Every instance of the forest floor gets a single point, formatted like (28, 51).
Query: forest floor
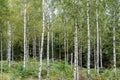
(58, 71)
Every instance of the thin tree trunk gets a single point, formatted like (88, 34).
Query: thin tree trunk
(25, 38)
(75, 44)
(48, 39)
(88, 28)
(9, 45)
(97, 37)
(52, 48)
(101, 65)
(42, 40)
(114, 50)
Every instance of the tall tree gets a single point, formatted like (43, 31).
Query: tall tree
(101, 63)
(25, 37)
(42, 39)
(48, 37)
(88, 29)
(97, 27)
(114, 48)
(9, 45)
(75, 43)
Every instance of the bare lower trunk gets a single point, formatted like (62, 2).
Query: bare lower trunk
(9, 45)
(75, 45)
(48, 38)
(101, 65)
(52, 49)
(25, 37)
(97, 37)
(42, 40)
(88, 28)
(114, 50)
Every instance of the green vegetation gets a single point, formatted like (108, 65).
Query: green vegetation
(58, 71)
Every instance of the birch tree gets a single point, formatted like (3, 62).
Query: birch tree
(48, 37)
(114, 50)
(25, 37)
(97, 27)
(9, 45)
(42, 39)
(75, 44)
(88, 29)
(101, 64)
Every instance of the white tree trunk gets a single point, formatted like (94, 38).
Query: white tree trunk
(114, 50)
(25, 37)
(42, 40)
(97, 25)
(88, 28)
(9, 45)
(48, 39)
(75, 44)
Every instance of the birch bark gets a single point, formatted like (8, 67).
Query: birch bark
(42, 40)
(88, 28)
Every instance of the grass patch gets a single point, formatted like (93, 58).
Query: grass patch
(58, 71)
